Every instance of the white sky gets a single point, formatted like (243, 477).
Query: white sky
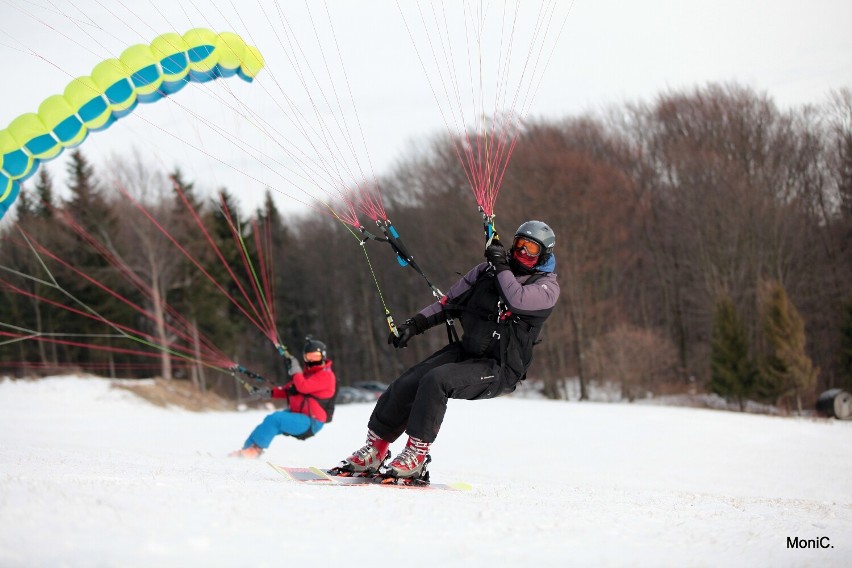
(608, 52)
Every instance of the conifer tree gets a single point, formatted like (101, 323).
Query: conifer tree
(34, 218)
(279, 240)
(16, 311)
(87, 204)
(187, 188)
(846, 345)
(44, 203)
(196, 298)
(283, 261)
(732, 371)
(787, 369)
(24, 207)
(224, 321)
(89, 209)
(844, 173)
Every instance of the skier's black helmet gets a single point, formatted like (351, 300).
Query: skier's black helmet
(538, 232)
(314, 352)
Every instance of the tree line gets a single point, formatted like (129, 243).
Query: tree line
(704, 242)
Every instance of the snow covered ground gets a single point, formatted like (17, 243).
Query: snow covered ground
(94, 476)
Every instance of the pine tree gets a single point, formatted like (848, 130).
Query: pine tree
(87, 204)
(24, 207)
(16, 310)
(44, 205)
(846, 345)
(182, 186)
(732, 372)
(88, 208)
(844, 186)
(217, 317)
(278, 254)
(196, 298)
(34, 223)
(787, 369)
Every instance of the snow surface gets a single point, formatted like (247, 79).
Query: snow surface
(94, 476)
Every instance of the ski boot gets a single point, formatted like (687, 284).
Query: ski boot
(366, 461)
(409, 467)
(251, 453)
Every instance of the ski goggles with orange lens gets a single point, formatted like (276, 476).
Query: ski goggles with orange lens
(532, 247)
(313, 356)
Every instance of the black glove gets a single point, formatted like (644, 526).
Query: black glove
(291, 390)
(410, 328)
(260, 393)
(406, 332)
(497, 256)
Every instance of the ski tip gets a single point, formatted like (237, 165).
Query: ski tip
(321, 473)
(460, 486)
(278, 468)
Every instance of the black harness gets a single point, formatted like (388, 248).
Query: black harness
(492, 330)
(326, 404)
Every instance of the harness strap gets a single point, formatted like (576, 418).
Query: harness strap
(324, 404)
(452, 333)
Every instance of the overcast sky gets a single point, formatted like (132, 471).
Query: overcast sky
(376, 88)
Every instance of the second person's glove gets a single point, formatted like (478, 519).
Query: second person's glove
(407, 330)
(293, 366)
(260, 393)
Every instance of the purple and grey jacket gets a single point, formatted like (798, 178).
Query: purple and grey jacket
(520, 299)
(501, 313)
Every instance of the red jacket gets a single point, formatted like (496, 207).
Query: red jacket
(317, 381)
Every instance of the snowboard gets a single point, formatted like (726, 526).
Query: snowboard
(317, 476)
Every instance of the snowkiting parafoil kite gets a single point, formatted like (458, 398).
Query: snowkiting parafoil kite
(142, 74)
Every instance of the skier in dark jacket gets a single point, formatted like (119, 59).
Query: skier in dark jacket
(310, 398)
(502, 305)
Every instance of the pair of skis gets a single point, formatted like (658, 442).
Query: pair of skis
(316, 476)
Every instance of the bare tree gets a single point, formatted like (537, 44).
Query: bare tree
(561, 175)
(722, 184)
(144, 248)
(638, 360)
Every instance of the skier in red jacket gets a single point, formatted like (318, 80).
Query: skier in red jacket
(310, 400)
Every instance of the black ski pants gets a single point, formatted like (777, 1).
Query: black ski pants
(417, 401)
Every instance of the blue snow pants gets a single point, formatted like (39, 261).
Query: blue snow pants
(282, 422)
